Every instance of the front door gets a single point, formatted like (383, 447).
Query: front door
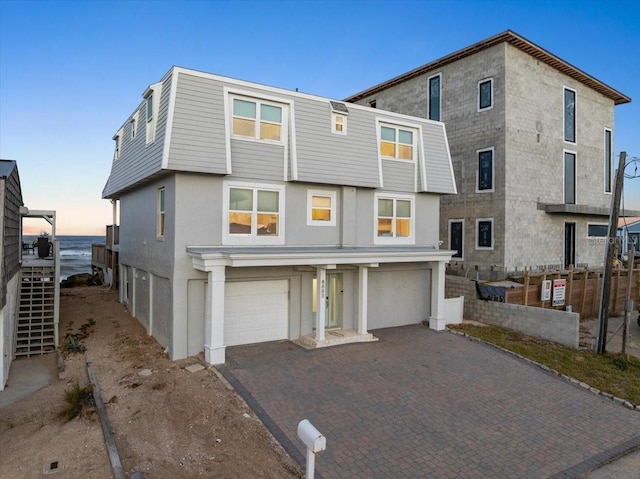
(333, 301)
(569, 244)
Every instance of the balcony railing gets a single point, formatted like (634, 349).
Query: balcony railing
(113, 235)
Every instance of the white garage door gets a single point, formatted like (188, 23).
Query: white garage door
(256, 311)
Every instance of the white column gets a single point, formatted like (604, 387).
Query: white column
(321, 312)
(437, 320)
(214, 317)
(363, 293)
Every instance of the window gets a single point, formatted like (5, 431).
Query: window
(597, 230)
(254, 214)
(456, 237)
(134, 126)
(485, 94)
(485, 170)
(394, 219)
(373, 104)
(569, 178)
(484, 233)
(118, 139)
(161, 212)
(339, 112)
(608, 161)
(569, 115)
(396, 143)
(152, 100)
(321, 208)
(434, 98)
(257, 119)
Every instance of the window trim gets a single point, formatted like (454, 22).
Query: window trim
(133, 124)
(118, 137)
(493, 170)
(439, 97)
(608, 184)
(450, 222)
(415, 134)
(394, 239)
(575, 115)
(324, 193)
(161, 213)
(480, 83)
(575, 177)
(152, 93)
(334, 123)
(493, 235)
(251, 239)
(259, 100)
(598, 224)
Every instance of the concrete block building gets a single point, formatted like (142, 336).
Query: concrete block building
(531, 140)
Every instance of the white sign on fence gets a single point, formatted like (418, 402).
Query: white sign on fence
(559, 289)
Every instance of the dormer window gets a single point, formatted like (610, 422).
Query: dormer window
(118, 147)
(339, 112)
(396, 143)
(134, 126)
(152, 100)
(257, 119)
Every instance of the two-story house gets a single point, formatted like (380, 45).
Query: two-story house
(250, 213)
(531, 140)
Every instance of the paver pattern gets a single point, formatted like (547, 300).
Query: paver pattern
(420, 403)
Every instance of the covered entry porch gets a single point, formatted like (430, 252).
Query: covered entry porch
(325, 263)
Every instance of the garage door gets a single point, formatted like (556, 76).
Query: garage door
(256, 311)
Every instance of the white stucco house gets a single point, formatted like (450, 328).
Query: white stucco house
(246, 212)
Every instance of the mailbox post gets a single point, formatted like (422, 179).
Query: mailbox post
(314, 441)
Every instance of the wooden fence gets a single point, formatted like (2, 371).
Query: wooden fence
(583, 289)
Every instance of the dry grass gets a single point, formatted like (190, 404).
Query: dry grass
(611, 373)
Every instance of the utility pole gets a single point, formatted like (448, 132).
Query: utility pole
(605, 294)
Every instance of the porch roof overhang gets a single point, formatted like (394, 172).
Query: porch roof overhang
(582, 210)
(204, 258)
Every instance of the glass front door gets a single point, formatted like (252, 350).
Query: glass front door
(333, 301)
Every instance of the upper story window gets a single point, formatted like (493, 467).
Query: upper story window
(569, 115)
(152, 102)
(161, 212)
(321, 208)
(133, 124)
(339, 112)
(397, 143)
(254, 214)
(456, 238)
(485, 94)
(373, 104)
(569, 178)
(118, 139)
(485, 171)
(394, 219)
(484, 233)
(257, 119)
(434, 98)
(608, 160)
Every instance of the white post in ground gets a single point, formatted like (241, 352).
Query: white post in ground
(314, 441)
(214, 317)
(437, 320)
(321, 276)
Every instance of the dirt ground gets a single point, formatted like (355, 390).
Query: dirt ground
(168, 424)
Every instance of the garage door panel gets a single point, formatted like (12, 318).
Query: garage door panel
(256, 311)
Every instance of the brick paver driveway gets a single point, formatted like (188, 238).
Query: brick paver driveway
(420, 403)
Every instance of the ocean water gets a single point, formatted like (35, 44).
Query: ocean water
(75, 253)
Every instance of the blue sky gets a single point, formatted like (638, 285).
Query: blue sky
(72, 71)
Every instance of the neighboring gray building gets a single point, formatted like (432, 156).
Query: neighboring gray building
(531, 140)
(246, 211)
(10, 229)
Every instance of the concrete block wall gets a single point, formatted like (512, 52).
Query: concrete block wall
(559, 326)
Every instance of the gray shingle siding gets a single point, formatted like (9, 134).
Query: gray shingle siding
(11, 199)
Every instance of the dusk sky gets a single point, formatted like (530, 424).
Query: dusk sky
(72, 71)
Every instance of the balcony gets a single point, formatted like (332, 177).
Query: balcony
(104, 257)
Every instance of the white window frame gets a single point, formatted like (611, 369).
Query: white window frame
(161, 216)
(493, 234)
(493, 170)
(415, 133)
(394, 239)
(332, 210)
(610, 161)
(597, 224)
(118, 137)
(259, 101)
(575, 177)
(450, 222)
(439, 96)
(575, 116)
(152, 95)
(252, 239)
(485, 80)
(134, 126)
(334, 123)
